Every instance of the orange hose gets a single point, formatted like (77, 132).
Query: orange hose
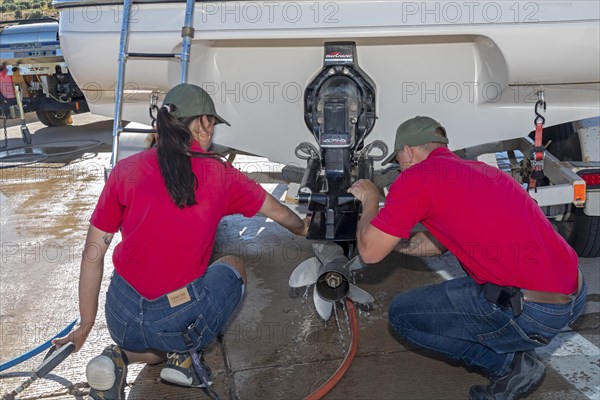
(341, 371)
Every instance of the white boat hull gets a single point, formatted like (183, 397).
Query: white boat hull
(474, 68)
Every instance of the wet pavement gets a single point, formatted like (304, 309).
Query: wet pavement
(276, 347)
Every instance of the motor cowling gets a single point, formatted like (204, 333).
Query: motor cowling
(339, 105)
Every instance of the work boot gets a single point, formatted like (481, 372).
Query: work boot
(180, 370)
(107, 374)
(526, 372)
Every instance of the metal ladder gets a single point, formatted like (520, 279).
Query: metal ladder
(187, 33)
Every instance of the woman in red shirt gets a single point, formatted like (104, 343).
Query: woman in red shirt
(164, 298)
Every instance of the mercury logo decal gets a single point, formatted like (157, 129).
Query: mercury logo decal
(339, 55)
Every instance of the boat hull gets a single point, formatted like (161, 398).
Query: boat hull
(475, 71)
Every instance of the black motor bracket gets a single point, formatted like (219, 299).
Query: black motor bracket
(339, 110)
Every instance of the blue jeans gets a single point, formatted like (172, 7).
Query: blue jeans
(453, 318)
(138, 324)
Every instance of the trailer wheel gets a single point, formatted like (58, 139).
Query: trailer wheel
(54, 118)
(581, 231)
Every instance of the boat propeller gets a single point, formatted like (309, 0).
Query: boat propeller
(330, 272)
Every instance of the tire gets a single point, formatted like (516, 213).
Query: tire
(581, 231)
(54, 118)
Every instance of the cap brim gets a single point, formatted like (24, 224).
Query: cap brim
(221, 120)
(391, 158)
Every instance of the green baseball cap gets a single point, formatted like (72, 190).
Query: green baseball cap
(414, 132)
(190, 101)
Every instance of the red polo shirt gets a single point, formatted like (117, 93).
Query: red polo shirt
(485, 218)
(164, 247)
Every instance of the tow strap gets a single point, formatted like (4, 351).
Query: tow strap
(538, 151)
(198, 368)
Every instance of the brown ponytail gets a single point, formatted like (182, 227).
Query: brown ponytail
(173, 149)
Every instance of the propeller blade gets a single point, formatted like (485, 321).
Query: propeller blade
(355, 264)
(324, 307)
(327, 251)
(360, 296)
(306, 273)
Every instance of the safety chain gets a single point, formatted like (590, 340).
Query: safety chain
(153, 108)
(538, 151)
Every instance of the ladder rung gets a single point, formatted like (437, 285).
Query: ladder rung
(153, 55)
(187, 33)
(138, 130)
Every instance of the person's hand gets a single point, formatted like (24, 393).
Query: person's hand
(306, 221)
(303, 230)
(78, 336)
(363, 190)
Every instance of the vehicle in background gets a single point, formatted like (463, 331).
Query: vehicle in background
(34, 76)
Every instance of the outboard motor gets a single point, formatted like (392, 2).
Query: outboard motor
(339, 110)
(339, 106)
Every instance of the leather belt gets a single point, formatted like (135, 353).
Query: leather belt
(535, 296)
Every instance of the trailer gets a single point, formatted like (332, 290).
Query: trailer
(34, 76)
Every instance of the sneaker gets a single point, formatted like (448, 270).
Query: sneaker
(527, 371)
(106, 374)
(180, 370)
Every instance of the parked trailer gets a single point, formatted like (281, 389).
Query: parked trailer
(34, 73)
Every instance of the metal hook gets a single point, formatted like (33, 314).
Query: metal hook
(539, 118)
(153, 109)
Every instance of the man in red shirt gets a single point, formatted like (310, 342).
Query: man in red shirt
(523, 284)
